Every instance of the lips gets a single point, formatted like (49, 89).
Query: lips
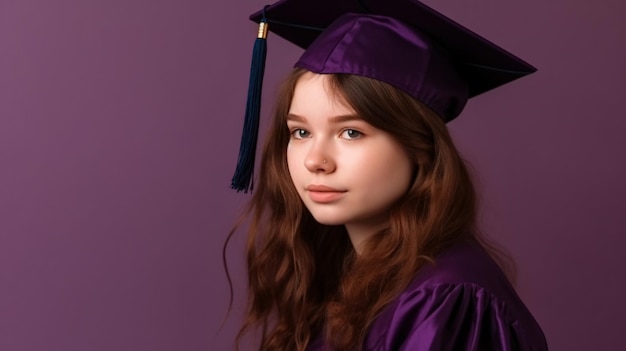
(323, 193)
(322, 188)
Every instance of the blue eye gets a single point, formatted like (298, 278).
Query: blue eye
(351, 134)
(300, 133)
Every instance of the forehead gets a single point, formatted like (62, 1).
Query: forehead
(316, 94)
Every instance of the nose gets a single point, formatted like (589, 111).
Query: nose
(319, 158)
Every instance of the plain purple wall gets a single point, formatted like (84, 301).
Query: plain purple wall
(119, 128)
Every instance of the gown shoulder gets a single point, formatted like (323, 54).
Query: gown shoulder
(463, 301)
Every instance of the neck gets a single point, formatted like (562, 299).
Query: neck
(359, 233)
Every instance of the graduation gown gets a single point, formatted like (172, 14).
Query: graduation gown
(462, 302)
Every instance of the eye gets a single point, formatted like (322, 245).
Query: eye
(300, 133)
(351, 134)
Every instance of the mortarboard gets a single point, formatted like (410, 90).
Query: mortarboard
(401, 42)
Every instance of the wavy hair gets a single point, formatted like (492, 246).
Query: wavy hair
(304, 278)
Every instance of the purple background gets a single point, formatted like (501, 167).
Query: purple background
(119, 128)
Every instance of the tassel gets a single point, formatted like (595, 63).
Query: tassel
(242, 179)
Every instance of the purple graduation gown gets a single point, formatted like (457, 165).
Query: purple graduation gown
(463, 302)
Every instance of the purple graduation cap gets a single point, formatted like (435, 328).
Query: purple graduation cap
(401, 42)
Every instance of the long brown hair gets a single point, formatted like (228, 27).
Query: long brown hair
(304, 278)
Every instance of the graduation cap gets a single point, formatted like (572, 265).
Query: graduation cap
(401, 42)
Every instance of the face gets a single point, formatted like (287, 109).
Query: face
(345, 170)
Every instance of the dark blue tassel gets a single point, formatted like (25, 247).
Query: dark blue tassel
(242, 179)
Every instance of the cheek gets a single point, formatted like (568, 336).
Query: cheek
(391, 171)
(397, 175)
(386, 163)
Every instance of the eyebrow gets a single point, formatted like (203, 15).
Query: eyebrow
(334, 119)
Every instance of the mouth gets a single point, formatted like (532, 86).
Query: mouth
(324, 194)
(322, 189)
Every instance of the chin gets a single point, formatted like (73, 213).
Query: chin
(327, 220)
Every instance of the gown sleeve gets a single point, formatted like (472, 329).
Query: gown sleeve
(460, 317)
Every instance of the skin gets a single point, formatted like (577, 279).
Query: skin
(346, 171)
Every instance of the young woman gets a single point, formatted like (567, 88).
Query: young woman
(362, 232)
